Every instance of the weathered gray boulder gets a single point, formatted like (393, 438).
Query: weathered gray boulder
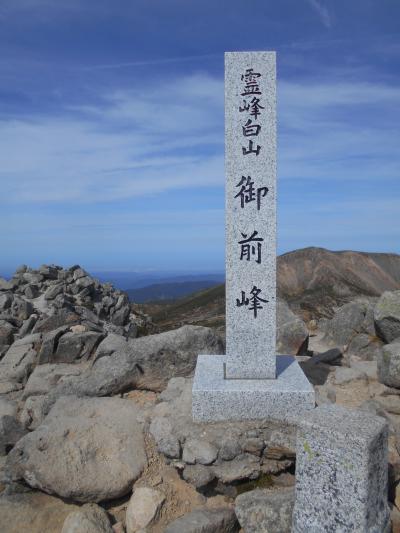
(33, 412)
(350, 320)
(33, 512)
(143, 508)
(389, 365)
(50, 343)
(27, 325)
(261, 511)
(21, 308)
(19, 359)
(7, 407)
(31, 291)
(292, 333)
(120, 316)
(49, 271)
(219, 520)
(31, 276)
(198, 475)
(365, 346)
(110, 344)
(245, 466)
(167, 443)
(74, 347)
(45, 377)
(49, 323)
(90, 518)
(10, 433)
(53, 291)
(7, 331)
(87, 450)
(5, 300)
(387, 316)
(199, 451)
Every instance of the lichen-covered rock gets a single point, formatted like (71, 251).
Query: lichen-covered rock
(387, 316)
(264, 510)
(87, 450)
(389, 365)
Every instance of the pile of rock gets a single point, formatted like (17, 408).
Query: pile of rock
(42, 300)
(364, 326)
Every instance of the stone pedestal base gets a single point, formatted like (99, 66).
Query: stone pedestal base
(216, 398)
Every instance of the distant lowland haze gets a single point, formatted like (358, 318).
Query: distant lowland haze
(112, 131)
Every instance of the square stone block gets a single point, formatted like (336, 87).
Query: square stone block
(341, 472)
(283, 399)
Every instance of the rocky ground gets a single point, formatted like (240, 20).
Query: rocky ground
(96, 433)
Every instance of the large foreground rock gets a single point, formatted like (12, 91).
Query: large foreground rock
(33, 512)
(144, 363)
(387, 316)
(292, 333)
(261, 511)
(87, 450)
(222, 520)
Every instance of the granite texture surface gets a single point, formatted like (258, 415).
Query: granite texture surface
(341, 472)
(250, 167)
(215, 398)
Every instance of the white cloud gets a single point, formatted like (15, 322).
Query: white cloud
(144, 141)
(322, 12)
(158, 138)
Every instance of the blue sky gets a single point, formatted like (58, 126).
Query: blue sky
(112, 140)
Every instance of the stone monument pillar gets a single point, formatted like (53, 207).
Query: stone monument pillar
(250, 381)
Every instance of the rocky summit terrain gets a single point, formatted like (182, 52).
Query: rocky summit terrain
(96, 431)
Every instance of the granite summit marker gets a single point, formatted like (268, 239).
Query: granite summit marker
(250, 381)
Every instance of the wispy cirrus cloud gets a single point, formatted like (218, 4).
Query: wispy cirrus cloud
(170, 137)
(322, 12)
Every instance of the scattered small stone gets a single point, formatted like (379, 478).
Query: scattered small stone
(143, 508)
(198, 475)
(220, 520)
(263, 510)
(90, 518)
(199, 451)
(389, 365)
